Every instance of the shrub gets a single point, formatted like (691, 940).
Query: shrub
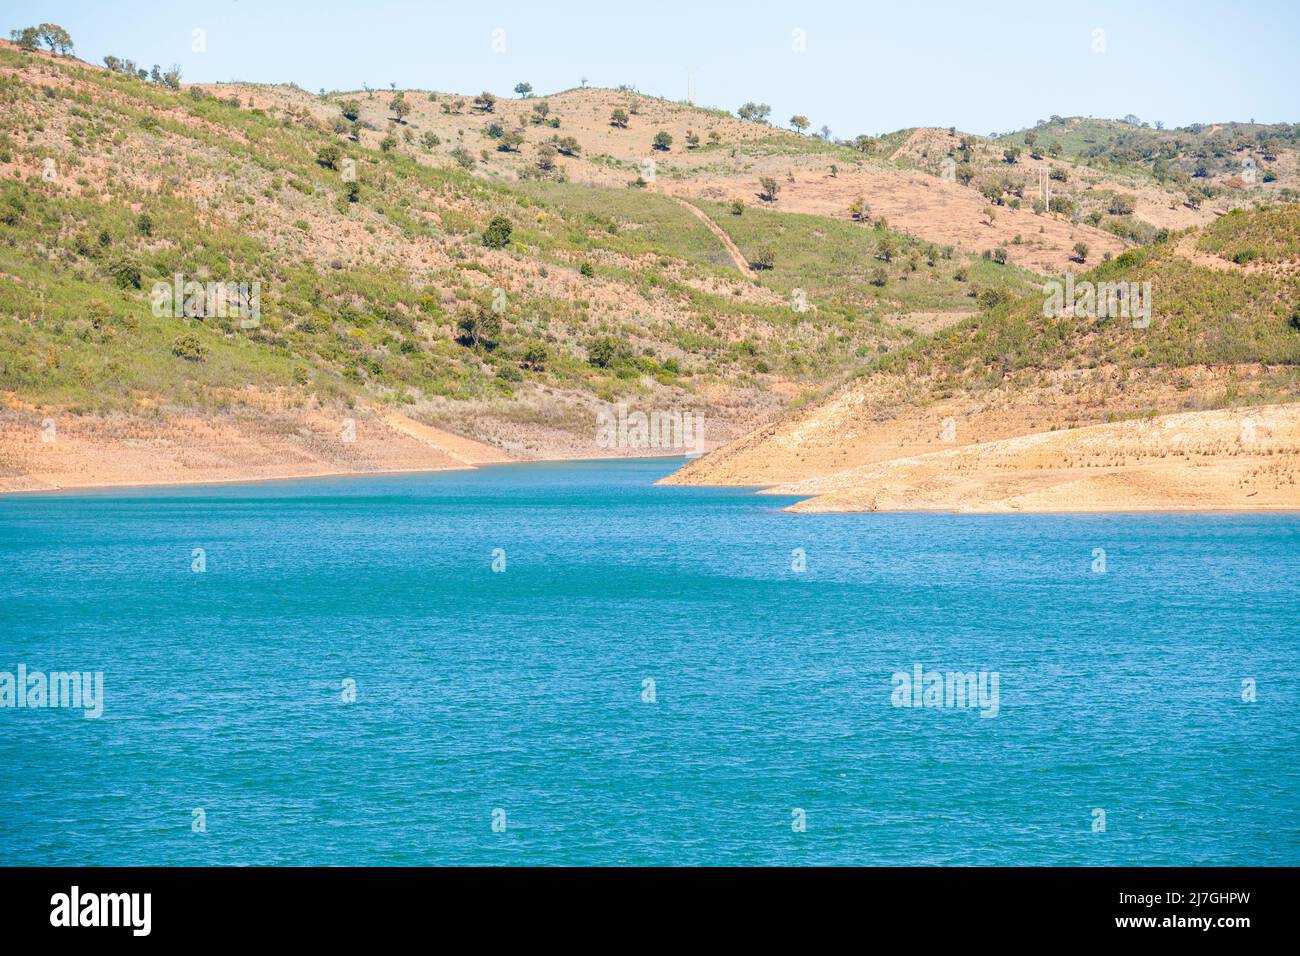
(188, 347)
(602, 352)
(764, 258)
(497, 234)
(126, 273)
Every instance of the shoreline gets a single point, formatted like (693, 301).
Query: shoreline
(308, 476)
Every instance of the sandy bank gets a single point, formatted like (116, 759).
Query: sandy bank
(1240, 459)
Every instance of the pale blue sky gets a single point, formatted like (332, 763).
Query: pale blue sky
(867, 66)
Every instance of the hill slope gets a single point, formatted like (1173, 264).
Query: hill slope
(379, 284)
(1221, 335)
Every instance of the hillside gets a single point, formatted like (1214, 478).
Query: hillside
(383, 290)
(1222, 335)
(455, 268)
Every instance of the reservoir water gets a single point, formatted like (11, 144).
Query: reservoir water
(567, 664)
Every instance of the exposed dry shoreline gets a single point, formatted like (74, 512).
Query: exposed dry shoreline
(1222, 460)
(44, 450)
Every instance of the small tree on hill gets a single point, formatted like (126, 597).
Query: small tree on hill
(51, 34)
(663, 142)
(618, 118)
(524, 89)
(485, 102)
(770, 187)
(800, 122)
(329, 156)
(28, 38)
(480, 328)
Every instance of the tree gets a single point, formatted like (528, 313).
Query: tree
(737, 207)
(800, 122)
(485, 102)
(859, 211)
(524, 89)
(535, 356)
(770, 188)
(351, 110)
(28, 38)
(480, 328)
(510, 143)
(51, 34)
(692, 139)
(329, 156)
(568, 146)
(1080, 252)
(618, 118)
(546, 157)
(663, 141)
(172, 77)
(863, 143)
(399, 108)
(886, 249)
(715, 137)
(1011, 154)
(754, 112)
(497, 234)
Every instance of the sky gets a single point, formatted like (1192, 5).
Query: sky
(857, 67)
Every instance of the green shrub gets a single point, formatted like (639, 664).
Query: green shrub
(497, 234)
(188, 347)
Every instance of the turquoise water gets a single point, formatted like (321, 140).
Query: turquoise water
(522, 691)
